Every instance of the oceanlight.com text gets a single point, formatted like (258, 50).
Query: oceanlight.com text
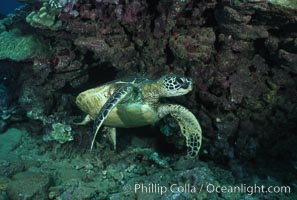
(209, 188)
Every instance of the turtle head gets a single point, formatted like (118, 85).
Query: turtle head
(175, 85)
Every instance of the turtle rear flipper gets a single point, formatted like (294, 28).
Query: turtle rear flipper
(190, 127)
(86, 120)
(112, 102)
(111, 134)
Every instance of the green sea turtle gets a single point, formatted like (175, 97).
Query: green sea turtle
(135, 102)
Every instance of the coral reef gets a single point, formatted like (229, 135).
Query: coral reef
(195, 46)
(241, 66)
(45, 17)
(18, 47)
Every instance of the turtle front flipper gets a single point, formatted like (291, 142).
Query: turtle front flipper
(189, 125)
(112, 102)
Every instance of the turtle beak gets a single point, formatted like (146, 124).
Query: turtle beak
(191, 86)
(187, 84)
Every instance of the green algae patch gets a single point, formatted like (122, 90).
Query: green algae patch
(289, 4)
(292, 4)
(18, 47)
(60, 133)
